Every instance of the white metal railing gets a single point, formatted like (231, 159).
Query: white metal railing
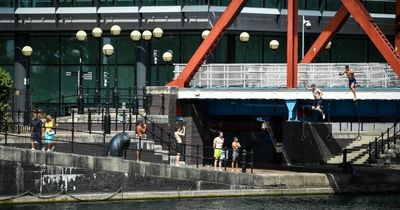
(374, 75)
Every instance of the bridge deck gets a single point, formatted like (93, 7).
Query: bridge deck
(287, 94)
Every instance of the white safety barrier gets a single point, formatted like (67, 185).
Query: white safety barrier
(373, 75)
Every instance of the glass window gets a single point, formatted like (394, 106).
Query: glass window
(220, 2)
(160, 2)
(390, 8)
(70, 48)
(249, 52)
(271, 3)
(127, 2)
(125, 50)
(6, 3)
(45, 50)
(254, 3)
(221, 51)
(374, 7)
(167, 42)
(195, 2)
(36, 3)
(44, 82)
(349, 45)
(312, 4)
(84, 3)
(9, 69)
(331, 5)
(189, 45)
(373, 54)
(6, 50)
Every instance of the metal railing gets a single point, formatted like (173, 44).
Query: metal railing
(383, 143)
(371, 75)
(156, 133)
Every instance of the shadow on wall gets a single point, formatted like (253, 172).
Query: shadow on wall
(309, 143)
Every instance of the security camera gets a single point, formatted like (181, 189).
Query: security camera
(307, 24)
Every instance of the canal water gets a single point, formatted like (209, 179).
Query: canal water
(247, 203)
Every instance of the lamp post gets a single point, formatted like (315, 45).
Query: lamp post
(115, 31)
(307, 24)
(135, 36)
(157, 33)
(167, 58)
(108, 50)
(96, 33)
(244, 38)
(81, 37)
(274, 45)
(27, 52)
(146, 36)
(204, 35)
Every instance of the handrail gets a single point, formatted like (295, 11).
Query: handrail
(275, 143)
(378, 146)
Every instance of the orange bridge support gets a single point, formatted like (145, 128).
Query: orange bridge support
(397, 24)
(364, 19)
(326, 35)
(208, 45)
(292, 44)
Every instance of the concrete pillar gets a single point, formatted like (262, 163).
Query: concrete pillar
(397, 24)
(20, 71)
(142, 68)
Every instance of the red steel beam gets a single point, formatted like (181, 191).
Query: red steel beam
(364, 19)
(208, 45)
(326, 35)
(292, 44)
(397, 24)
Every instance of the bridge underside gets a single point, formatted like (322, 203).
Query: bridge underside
(338, 104)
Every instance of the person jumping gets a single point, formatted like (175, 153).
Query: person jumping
(352, 80)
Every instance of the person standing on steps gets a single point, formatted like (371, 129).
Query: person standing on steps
(140, 130)
(49, 132)
(217, 145)
(235, 154)
(37, 130)
(179, 133)
(352, 80)
(317, 93)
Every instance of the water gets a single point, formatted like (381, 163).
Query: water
(247, 203)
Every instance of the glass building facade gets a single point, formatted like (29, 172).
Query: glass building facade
(55, 56)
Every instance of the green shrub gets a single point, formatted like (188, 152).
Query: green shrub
(6, 85)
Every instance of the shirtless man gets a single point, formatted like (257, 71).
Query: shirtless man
(352, 80)
(317, 93)
(217, 145)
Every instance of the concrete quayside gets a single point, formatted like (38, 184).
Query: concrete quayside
(96, 178)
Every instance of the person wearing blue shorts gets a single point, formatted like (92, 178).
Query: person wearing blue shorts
(352, 80)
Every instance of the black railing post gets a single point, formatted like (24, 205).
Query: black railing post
(388, 138)
(116, 118)
(123, 120)
(225, 153)
(162, 104)
(89, 120)
(394, 134)
(102, 119)
(244, 154)
(376, 148)
(72, 130)
(382, 144)
(169, 153)
(344, 161)
(369, 152)
(140, 149)
(130, 118)
(197, 155)
(18, 122)
(252, 160)
(104, 144)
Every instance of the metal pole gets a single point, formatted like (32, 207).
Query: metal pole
(252, 162)
(80, 82)
(197, 155)
(72, 131)
(155, 55)
(97, 98)
(302, 37)
(90, 121)
(123, 120)
(376, 148)
(115, 98)
(27, 93)
(107, 117)
(244, 154)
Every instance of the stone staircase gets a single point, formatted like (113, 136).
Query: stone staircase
(357, 150)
